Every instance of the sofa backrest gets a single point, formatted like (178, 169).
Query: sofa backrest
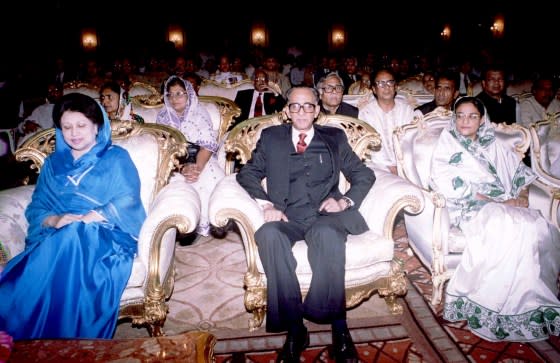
(154, 149)
(83, 88)
(222, 110)
(212, 88)
(414, 144)
(242, 139)
(545, 147)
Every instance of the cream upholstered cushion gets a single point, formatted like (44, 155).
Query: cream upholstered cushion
(83, 88)
(229, 91)
(457, 241)
(143, 150)
(141, 88)
(370, 262)
(171, 204)
(13, 225)
(432, 238)
(360, 266)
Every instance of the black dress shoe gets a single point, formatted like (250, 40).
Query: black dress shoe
(343, 349)
(293, 347)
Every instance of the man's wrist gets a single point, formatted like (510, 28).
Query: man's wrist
(349, 202)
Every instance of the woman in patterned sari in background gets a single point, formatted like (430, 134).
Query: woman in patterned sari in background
(505, 285)
(183, 112)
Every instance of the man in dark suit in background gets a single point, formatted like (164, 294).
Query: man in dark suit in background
(259, 101)
(303, 201)
(331, 89)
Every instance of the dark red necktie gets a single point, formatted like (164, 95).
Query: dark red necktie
(258, 106)
(301, 145)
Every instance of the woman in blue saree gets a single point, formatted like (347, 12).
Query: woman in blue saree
(84, 220)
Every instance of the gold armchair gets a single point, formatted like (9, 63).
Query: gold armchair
(222, 110)
(170, 205)
(545, 156)
(431, 238)
(370, 262)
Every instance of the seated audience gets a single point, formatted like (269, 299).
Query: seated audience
(505, 286)
(362, 86)
(84, 220)
(260, 101)
(331, 89)
(225, 75)
(194, 79)
(272, 69)
(41, 118)
(445, 93)
(114, 100)
(384, 112)
(542, 102)
(429, 82)
(183, 112)
(501, 107)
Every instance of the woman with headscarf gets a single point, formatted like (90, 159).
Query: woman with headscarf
(84, 220)
(183, 112)
(505, 285)
(114, 100)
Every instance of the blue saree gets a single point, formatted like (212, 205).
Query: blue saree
(68, 282)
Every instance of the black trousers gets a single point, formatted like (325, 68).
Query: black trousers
(326, 246)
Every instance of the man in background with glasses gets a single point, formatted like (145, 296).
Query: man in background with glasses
(331, 89)
(302, 163)
(260, 101)
(385, 112)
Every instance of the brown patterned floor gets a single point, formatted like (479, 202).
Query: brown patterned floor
(428, 337)
(418, 335)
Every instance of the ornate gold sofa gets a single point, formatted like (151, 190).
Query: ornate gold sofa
(430, 237)
(142, 88)
(412, 90)
(222, 110)
(545, 154)
(170, 205)
(370, 262)
(211, 87)
(82, 87)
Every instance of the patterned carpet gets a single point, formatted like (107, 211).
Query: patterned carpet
(419, 335)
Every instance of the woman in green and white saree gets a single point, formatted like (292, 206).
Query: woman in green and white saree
(505, 285)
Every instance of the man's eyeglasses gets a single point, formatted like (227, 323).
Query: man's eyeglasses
(383, 84)
(307, 107)
(176, 94)
(471, 116)
(330, 89)
(260, 79)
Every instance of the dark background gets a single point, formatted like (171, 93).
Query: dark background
(53, 27)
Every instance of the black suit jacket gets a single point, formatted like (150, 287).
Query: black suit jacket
(273, 151)
(345, 109)
(348, 81)
(244, 99)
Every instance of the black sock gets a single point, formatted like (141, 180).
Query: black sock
(339, 326)
(296, 328)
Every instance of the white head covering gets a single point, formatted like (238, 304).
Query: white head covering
(195, 123)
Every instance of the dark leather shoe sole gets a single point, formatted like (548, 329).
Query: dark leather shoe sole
(290, 352)
(343, 350)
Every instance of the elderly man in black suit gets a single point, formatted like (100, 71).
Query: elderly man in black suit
(259, 101)
(302, 163)
(331, 89)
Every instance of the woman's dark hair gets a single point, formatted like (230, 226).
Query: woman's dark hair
(112, 85)
(475, 101)
(175, 81)
(78, 102)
